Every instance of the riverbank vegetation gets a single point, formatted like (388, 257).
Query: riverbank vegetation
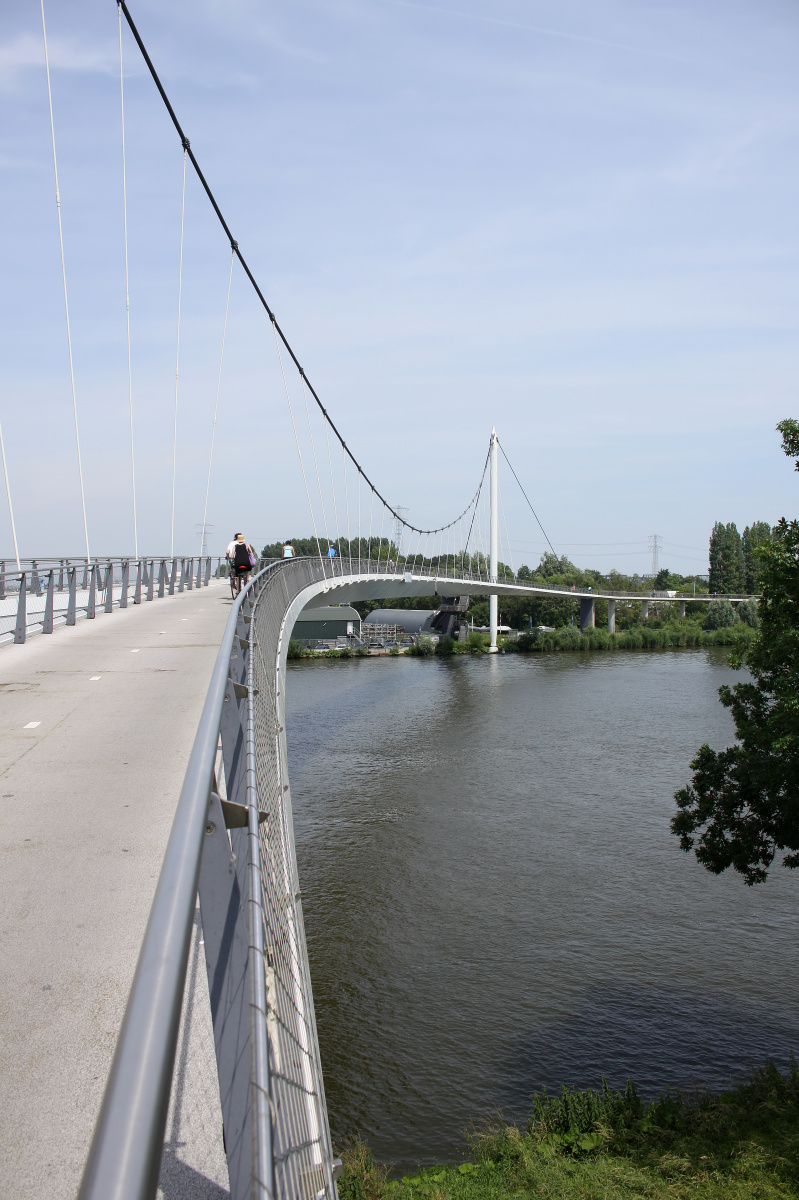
(741, 807)
(657, 636)
(615, 1146)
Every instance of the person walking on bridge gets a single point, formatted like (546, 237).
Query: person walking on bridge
(241, 557)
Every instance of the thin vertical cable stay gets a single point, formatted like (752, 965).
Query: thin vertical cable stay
(127, 285)
(8, 495)
(216, 405)
(177, 355)
(64, 279)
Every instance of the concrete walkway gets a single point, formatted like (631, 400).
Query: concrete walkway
(97, 723)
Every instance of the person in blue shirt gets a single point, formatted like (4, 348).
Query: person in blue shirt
(288, 550)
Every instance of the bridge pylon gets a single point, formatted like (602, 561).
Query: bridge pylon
(494, 540)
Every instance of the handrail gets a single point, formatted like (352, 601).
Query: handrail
(125, 1155)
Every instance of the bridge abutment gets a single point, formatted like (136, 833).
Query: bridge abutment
(611, 616)
(587, 614)
(644, 609)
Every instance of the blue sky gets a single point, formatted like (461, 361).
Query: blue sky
(574, 221)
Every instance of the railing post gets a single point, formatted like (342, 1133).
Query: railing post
(137, 592)
(21, 630)
(2, 579)
(109, 588)
(199, 580)
(85, 583)
(36, 587)
(207, 571)
(47, 623)
(92, 590)
(151, 580)
(173, 577)
(190, 575)
(73, 596)
(182, 575)
(161, 579)
(123, 595)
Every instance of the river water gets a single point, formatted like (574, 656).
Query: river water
(493, 899)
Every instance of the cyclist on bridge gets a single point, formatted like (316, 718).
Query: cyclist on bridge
(241, 557)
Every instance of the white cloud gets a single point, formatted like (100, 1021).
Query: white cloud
(66, 54)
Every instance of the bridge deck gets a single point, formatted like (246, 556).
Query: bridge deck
(86, 804)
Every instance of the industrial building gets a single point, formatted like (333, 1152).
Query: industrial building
(326, 624)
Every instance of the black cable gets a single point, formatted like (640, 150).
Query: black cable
(527, 498)
(235, 248)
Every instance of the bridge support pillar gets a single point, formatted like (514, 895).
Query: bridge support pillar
(611, 616)
(682, 609)
(644, 609)
(493, 601)
(587, 613)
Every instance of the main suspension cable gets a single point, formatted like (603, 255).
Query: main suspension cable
(66, 301)
(237, 251)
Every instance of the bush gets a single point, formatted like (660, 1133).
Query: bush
(747, 612)
(720, 615)
(477, 641)
(446, 645)
(296, 649)
(424, 647)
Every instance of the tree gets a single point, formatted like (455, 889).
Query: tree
(742, 805)
(727, 567)
(720, 615)
(550, 565)
(754, 536)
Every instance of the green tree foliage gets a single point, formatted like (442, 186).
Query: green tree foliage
(754, 536)
(742, 805)
(720, 615)
(550, 566)
(747, 612)
(727, 566)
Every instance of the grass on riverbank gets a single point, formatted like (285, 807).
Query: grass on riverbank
(741, 1145)
(639, 637)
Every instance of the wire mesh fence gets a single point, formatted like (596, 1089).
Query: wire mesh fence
(301, 1149)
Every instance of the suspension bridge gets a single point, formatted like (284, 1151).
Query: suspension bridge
(159, 1025)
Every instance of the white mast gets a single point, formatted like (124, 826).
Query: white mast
(493, 568)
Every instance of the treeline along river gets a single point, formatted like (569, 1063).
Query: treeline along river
(493, 899)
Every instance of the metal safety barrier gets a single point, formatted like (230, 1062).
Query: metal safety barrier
(232, 846)
(46, 593)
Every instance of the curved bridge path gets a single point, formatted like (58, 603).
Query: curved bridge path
(87, 797)
(99, 721)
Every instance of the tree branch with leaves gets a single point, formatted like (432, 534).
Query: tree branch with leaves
(741, 808)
